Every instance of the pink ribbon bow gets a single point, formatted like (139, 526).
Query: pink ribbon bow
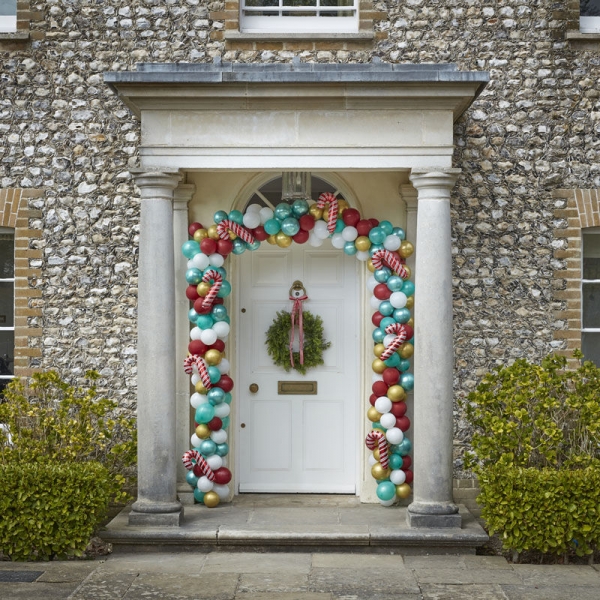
(297, 310)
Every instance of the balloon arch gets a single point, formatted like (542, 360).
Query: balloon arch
(383, 247)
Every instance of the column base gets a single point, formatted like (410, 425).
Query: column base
(185, 494)
(168, 519)
(435, 515)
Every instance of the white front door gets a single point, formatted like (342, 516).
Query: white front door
(298, 443)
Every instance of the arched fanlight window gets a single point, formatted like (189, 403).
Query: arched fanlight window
(7, 305)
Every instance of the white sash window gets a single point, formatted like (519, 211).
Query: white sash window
(7, 305)
(299, 16)
(589, 20)
(8, 16)
(590, 295)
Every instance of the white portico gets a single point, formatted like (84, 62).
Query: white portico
(340, 119)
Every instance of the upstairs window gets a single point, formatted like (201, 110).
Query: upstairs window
(589, 19)
(8, 16)
(590, 296)
(7, 305)
(299, 16)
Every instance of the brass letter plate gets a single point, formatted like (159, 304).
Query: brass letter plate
(297, 387)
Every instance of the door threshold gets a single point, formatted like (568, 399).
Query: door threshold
(258, 500)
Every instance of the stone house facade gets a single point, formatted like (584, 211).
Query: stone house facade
(527, 149)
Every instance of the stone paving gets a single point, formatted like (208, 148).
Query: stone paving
(301, 576)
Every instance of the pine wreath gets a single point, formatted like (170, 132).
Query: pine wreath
(278, 342)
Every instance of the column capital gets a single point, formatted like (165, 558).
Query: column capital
(435, 181)
(182, 195)
(408, 193)
(154, 183)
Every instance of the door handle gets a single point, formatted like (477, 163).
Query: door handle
(253, 388)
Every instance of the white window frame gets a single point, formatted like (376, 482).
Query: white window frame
(299, 24)
(589, 24)
(9, 230)
(8, 23)
(587, 231)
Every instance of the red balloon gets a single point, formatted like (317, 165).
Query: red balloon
(363, 227)
(391, 376)
(197, 347)
(198, 306)
(307, 222)
(193, 228)
(222, 476)
(218, 345)
(208, 246)
(398, 409)
(406, 462)
(376, 318)
(226, 383)
(409, 476)
(260, 234)
(301, 237)
(224, 247)
(372, 399)
(215, 424)
(380, 388)
(219, 301)
(192, 293)
(197, 471)
(409, 332)
(382, 291)
(350, 216)
(374, 222)
(403, 423)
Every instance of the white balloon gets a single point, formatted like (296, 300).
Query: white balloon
(337, 241)
(398, 299)
(371, 283)
(209, 336)
(265, 214)
(205, 484)
(394, 435)
(392, 242)
(222, 410)
(214, 462)
(388, 502)
(314, 240)
(223, 366)
(349, 233)
(388, 339)
(383, 405)
(200, 261)
(190, 264)
(221, 329)
(363, 256)
(388, 420)
(375, 302)
(220, 436)
(195, 440)
(195, 333)
(397, 476)
(195, 378)
(197, 399)
(221, 490)
(251, 220)
(253, 208)
(372, 460)
(320, 230)
(216, 259)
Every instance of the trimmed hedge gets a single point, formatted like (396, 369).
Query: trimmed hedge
(549, 510)
(50, 510)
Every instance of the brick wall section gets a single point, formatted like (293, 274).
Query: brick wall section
(576, 210)
(465, 491)
(15, 213)
(30, 26)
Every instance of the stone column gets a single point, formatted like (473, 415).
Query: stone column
(156, 412)
(182, 195)
(409, 194)
(433, 504)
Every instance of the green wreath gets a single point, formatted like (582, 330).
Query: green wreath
(278, 342)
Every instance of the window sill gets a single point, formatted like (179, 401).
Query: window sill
(21, 36)
(240, 36)
(574, 35)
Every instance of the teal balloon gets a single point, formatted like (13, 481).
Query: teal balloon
(237, 217)
(299, 207)
(339, 226)
(387, 227)
(401, 315)
(282, 211)
(225, 421)
(191, 478)
(219, 312)
(199, 496)
(404, 365)
(239, 246)
(215, 396)
(377, 235)
(222, 449)
(220, 270)
(225, 288)
(395, 283)
(378, 335)
(219, 216)
(386, 321)
(205, 321)
(290, 226)
(227, 399)
(399, 232)
(393, 360)
(255, 245)
(382, 275)
(375, 248)
(407, 381)
(386, 490)
(190, 248)
(227, 320)
(193, 276)
(408, 288)
(378, 425)
(350, 249)
(386, 308)
(205, 412)
(192, 315)
(207, 448)
(272, 226)
(395, 462)
(214, 374)
(404, 447)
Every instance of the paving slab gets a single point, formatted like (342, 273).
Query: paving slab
(357, 561)
(183, 587)
(101, 586)
(283, 596)
(551, 592)
(273, 582)
(545, 575)
(152, 562)
(438, 591)
(364, 583)
(457, 561)
(30, 591)
(305, 516)
(232, 562)
(466, 576)
(68, 571)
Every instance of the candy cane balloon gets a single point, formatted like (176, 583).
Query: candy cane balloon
(329, 198)
(378, 438)
(401, 332)
(193, 455)
(214, 288)
(383, 258)
(226, 225)
(188, 367)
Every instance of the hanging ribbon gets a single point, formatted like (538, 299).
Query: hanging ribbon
(298, 296)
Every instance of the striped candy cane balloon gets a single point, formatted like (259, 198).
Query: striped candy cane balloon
(195, 359)
(383, 258)
(378, 438)
(188, 459)
(401, 332)
(225, 226)
(329, 198)
(209, 299)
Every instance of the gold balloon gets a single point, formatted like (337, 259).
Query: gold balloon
(232, 236)
(362, 243)
(408, 271)
(370, 265)
(271, 240)
(282, 240)
(200, 234)
(202, 431)
(379, 366)
(200, 388)
(406, 249)
(402, 491)
(203, 288)
(213, 357)
(213, 233)
(411, 322)
(406, 350)
(317, 213)
(373, 414)
(211, 499)
(410, 302)
(396, 393)
(342, 206)
(378, 350)
(376, 454)
(379, 472)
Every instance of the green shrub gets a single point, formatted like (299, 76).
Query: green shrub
(548, 510)
(50, 509)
